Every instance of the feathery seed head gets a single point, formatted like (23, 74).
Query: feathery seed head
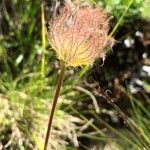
(79, 34)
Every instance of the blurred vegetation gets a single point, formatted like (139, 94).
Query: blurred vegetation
(146, 9)
(25, 96)
(117, 7)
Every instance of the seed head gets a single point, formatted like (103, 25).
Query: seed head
(79, 34)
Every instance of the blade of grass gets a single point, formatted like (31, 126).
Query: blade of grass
(43, 35)
(91, 96)
(121, 18)
(131, 124)
(138, 117)
(135, 101)
(114, 130)
(91, 124)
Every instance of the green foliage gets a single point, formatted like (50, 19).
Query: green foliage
(117, 7)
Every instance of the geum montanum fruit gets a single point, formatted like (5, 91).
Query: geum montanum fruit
(79, 35)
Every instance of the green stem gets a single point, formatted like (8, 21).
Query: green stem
(58, 87)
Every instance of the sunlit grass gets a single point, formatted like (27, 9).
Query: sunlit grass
(146, 9)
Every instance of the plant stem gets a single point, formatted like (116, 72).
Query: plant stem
(57, 92)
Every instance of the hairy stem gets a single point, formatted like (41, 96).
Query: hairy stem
(57, 92)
